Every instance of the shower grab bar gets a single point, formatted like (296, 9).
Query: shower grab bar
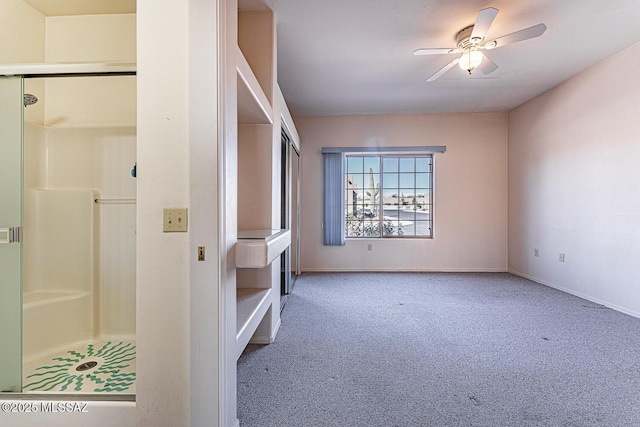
(115, 201)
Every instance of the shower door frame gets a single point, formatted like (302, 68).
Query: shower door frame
(24, 71)
(11, 184)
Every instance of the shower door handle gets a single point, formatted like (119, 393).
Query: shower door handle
(10, 235)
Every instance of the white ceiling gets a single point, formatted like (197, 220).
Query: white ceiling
(355, 56)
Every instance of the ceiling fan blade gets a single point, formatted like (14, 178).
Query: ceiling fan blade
(518, 36)
(444, 70)
(483, 22)
(487, 66)
(434, 51)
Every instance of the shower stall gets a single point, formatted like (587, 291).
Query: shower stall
(67, 231)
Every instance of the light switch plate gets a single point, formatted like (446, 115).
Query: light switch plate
(174, 220)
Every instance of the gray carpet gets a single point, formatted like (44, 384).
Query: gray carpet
(441, 349)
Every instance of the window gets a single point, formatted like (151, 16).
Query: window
(350, 172)
(388, 195)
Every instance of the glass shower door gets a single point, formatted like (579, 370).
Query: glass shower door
(11, 107)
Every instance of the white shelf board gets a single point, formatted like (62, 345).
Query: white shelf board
(252, 305)
(258, 248)
(253, 104)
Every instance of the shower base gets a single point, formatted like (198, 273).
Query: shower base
(100, 366)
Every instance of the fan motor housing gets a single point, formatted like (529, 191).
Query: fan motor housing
(462, 38)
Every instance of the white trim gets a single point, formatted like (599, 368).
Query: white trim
(276, 328)
(578, 294)
(287, 120)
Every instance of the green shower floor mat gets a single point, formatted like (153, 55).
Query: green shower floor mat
(98, 367)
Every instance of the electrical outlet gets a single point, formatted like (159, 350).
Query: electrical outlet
(200, 253)
(369, 247)
(536, 252)
(561, 257)
(174, 220)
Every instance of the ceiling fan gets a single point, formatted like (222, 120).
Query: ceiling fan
(470, 43)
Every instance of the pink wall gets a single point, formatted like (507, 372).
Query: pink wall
(470, 198)
(574, 184)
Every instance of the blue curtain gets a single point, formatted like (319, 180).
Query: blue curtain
(333, 211)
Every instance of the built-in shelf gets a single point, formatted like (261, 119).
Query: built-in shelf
(253, 104)
(252, 305)
(258, 248)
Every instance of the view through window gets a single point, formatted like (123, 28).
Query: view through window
(388, 195)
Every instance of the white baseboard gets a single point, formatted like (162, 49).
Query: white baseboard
(588, 297)
(406, 270)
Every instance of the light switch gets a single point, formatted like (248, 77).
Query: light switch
(174, 220)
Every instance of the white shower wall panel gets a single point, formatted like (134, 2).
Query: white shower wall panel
(100, 159)
(34, 177)
(58, 302)
(96, 102)
(52, 321)
(92, 157)
(118, 269)
(64, 232)
(117, 294)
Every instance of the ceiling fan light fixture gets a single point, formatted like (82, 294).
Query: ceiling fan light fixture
(469, 42)
(470, 59)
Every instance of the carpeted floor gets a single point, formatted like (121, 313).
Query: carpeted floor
(441, 349)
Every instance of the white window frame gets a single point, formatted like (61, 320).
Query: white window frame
(383, 225)
(333, 197)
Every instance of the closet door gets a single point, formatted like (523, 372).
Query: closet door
(285, 212)
(295, 212)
